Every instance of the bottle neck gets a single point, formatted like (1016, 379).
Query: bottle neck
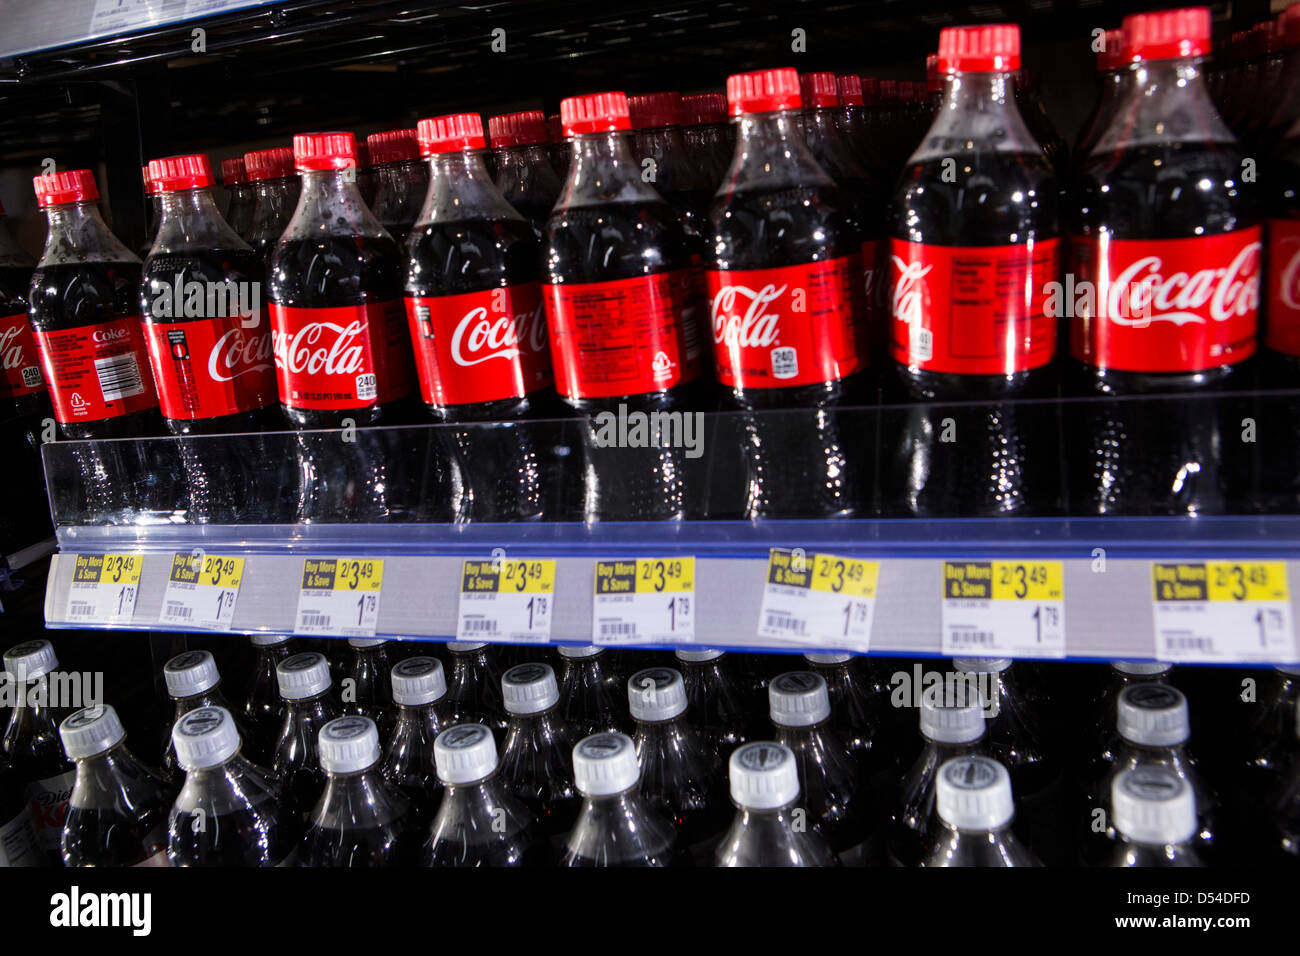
(460, 187)
(307, 705)
(1287, 110)
(772, 153)
(511, 157)
(32, 705)
(977, 113)
(1166, 102)
(602, 169)
(10, 252)
(78, 233)
(212, 697)
(544, 723)
(116, 761)
(330, 204)
(190, 220)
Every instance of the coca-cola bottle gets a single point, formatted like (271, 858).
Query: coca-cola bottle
(1114, 74)
(706, 134)
(592, 694)
(618, 287)
(770, 828)
(1251, 78)
(786, 307)
(263, 707)
(420, 692)
(240, 197)
(309, 705)
(401, 181)
(975, 809)
(118, 811)
(17, 839)
(154, 214)
(1154, 813)
(718, 698)
(360, 819)
(31, 742)
(1030, 104)
(536, 758)
(558, 151)
(275, 189)
(1284, 108)
(973, 243)
(855, 123)
(480, 822)
(192, 682)
(617, 825)
(474, 303)
(230, 812)
(524, 174)
(474, 687)
(1166, 259)
(366, 687)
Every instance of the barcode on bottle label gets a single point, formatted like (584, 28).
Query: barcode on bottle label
(823, 601)
(119, 377)
(1004, 608)
(506, 600)
(340, 596)
(644, 601)
(1223, 611)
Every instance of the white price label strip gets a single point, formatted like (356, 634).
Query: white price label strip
(1222, 611)
(1003, 609)
(506, 600)
(340, 596)
(818, 600)
(644, 601)
(202, 590)
(104, 588)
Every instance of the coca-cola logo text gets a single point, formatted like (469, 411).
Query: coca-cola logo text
(1219, 294)
(1289, 281)
(480, 338)
(741, 317)
(103, 336)
(322, 348)
(236, 354)
(11, 348)
(908, 300)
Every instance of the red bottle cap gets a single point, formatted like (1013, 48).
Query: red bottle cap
(274, 163)
(148, 183)
(232, 171)
(450, 133)
(655, 109)
(594, 113)
(870, 91)
(933, 78)
(819, 90)
(393, 146)
(1168, 35)
(984, 49)
(518, 129)
(1114, 56)
(175, 173)
(75, 185)
(313, 152)
(918, 88)
(889, 94)
(850, 87)
(763, 91)
(704, 109)
(1275, 35)
(1291, 25)
(555, 128)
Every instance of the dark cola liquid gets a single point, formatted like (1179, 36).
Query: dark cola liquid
(125, 836)
(502, 465)
(297, 760)
(263, 708)
(1182, 454)
(255, 836)
(399, 194)
(390, 843)
(474, 691)
(796, 465)
(995, 457)
(276, 201)
(604, 244)
(21, 424)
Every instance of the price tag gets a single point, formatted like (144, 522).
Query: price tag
(202, 590)
(818, 600)
(1004, 608)
(1222, 611)
(506, 600)
(644, 600)
(104, 588)
(340, 596)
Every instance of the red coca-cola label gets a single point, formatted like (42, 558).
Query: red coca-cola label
(20, 369)
(342, 357)
(97, 371)
(1165, 305)
(793, 325)
(1283, 315)
(480, 346)
(211, 367)
(972, 310)
(624, 337)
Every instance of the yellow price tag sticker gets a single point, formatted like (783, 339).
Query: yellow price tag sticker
(847, 576)
(213, 570)
(1028, 580)
(107, 568)
(1247, 581)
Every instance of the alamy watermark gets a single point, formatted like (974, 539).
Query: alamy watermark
(63, 690)
(637, 429)
(937, 688)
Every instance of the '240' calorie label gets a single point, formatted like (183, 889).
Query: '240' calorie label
(20, 371)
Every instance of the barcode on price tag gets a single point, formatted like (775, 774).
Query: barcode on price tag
(340, 596)
(1222, 611)
(1004, 608)
(818, 600)
(504, 600)
(644, 601)
(202, 590)
(104, 588)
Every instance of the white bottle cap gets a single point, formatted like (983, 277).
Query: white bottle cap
(270, 640)
(1153, 715)
(418, 680)
(763, 775)
(464, 753)
(1153, 805)
(583, 650)
(700, 655)
(90, 731)
(303, 675)
(958, 720)
(981, 665)
(30, 660)
(974, 793)
(190, 673)
(656, 693)
(205, 738)
(366, 641)
(465, 647)
(827, 660)
(348, 744)
(529, 689)
(798, 699)
(1140, 668)
(605, 764)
